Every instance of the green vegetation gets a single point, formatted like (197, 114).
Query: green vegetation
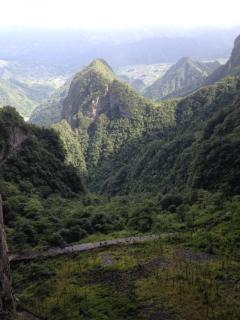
(169, 167)
(32, 169)
(178, 158)
(146, 280)
(34, 157)
(120, 142)
(86, 88)
(102, 114)
(72, 145)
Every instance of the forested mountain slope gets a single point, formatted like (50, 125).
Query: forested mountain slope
(200, 151)
(32, 169)
(34, 156)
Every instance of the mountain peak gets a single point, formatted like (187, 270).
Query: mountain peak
(184, 60)
(100, 62)
(100, 66)
(86, 89)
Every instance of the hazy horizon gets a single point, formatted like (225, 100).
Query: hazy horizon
(122, 15)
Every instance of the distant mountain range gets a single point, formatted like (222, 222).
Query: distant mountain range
(24, 88)
(187, 75)
(182, 78)
(36, 67)
(69, 50)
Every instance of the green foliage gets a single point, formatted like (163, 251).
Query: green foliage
(172, 167)
(86, 88)
(33, 158)
(72, 145)
(142, 219)
(135, 282)
(186, 155)
(170, 202)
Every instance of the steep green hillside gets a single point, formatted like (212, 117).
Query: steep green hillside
(231, 68)
(100, 114)
(32, 170)
(50, 111)
(77, 98)
(182, 78)
(198, 152)
(35, 156)
(97, 131)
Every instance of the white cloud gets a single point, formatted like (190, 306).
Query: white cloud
(120, 14)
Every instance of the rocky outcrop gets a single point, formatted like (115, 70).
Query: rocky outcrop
(16, 138)
(7, 304)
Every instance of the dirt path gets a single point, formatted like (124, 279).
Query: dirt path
(53, 252)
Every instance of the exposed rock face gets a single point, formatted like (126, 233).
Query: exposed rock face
(16, 139)
(7, 304)
(231, 68)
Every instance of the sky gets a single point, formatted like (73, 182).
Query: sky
(120, 14)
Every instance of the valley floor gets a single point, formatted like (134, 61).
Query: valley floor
(152, 280)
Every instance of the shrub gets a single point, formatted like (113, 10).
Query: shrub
(171, 200)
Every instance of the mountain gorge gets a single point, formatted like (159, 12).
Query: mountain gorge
(118, 140)
(99, 161)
